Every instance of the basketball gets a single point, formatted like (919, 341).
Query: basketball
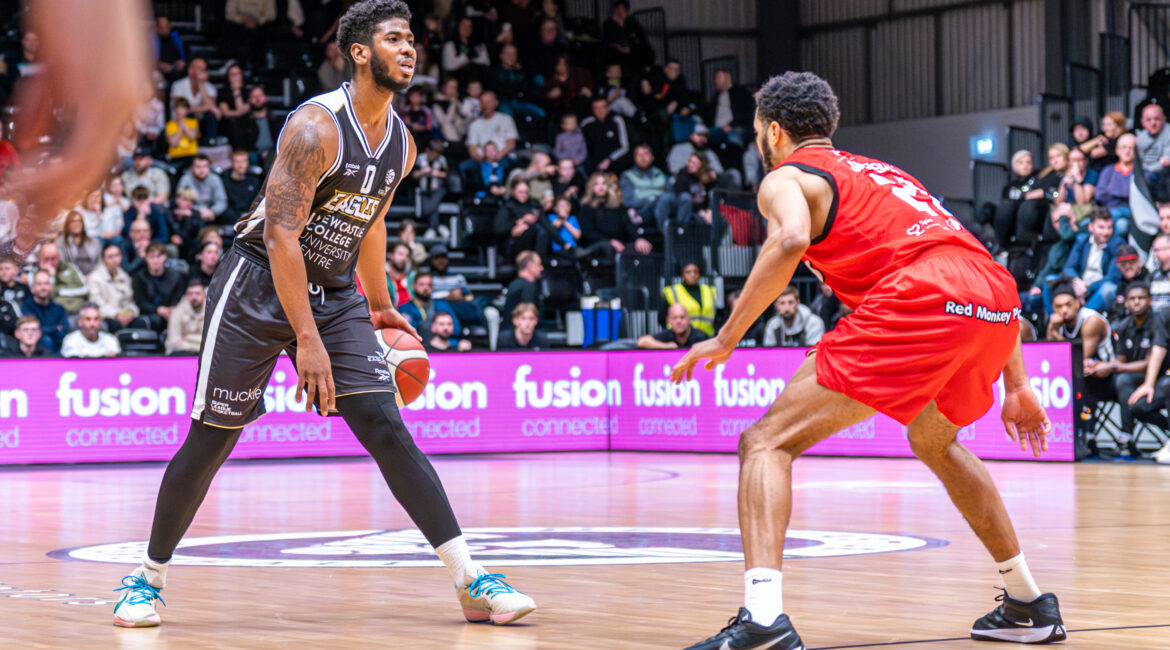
(409, 365)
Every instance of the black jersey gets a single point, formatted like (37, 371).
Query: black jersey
(349, 196)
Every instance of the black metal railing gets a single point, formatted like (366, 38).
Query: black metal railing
(1149, 35)
(1115, 76)
(1030, 140)
(1082, 83)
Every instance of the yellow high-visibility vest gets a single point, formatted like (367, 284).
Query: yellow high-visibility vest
(702, 315)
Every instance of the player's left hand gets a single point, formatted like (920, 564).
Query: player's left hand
(712, 349)
(391, 317)
(1025, 420)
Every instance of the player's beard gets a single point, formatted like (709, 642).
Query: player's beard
(380, 71)
(771, 160)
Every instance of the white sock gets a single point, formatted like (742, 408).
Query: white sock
(1017, 579)
(457, 559)
(155, 572)
(763, 597)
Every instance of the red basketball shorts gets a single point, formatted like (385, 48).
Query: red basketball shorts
(941, 329)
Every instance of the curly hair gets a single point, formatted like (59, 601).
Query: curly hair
(802, 104)
(360, 21)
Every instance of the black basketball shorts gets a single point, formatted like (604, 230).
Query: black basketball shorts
(245, 330)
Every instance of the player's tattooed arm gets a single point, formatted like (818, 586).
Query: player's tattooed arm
(299, 164)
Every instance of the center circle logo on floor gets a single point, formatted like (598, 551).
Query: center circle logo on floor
(497, 547)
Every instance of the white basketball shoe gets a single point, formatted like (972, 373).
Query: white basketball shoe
(488, 597)
(136, 609)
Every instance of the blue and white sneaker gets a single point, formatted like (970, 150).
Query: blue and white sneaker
(136, 609)
(488, 597)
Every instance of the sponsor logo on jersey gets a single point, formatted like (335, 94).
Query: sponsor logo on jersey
(527, 546)
(357, 206)
(351, 169)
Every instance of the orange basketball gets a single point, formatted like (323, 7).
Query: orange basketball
(409, 365)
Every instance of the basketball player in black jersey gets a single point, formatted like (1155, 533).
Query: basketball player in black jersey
(288, 286)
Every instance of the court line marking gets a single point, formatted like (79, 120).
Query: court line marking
(968, 638)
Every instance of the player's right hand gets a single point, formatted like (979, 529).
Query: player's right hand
(315, 375)
(712, 349)
(1025, 420)
(1142, 391)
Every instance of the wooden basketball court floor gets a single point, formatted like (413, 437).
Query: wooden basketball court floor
(1096, 534)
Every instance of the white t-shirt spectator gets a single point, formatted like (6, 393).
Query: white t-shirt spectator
(77, 346)
(498, 128)
(182, 88)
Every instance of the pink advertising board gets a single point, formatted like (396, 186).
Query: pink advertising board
(115, 410)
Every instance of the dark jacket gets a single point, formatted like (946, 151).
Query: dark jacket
(54, 322)
(605, 139)
(520, 290)
(604, 224)
(240, 195)
(152, 292)
(743, 108)
(510, 212)
(1079, 256)
(159, 230)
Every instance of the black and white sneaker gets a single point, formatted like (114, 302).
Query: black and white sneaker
(1035, 622)
(742, 633)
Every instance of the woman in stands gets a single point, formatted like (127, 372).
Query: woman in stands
(690, 188)
(1102, 149)
(1019, 190)
(76, 246)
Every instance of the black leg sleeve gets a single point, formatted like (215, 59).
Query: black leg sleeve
(185, 483)
(375, 420)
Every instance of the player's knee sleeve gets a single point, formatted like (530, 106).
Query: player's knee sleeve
(375, 421)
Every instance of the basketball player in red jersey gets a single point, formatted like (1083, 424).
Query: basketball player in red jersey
(934, 323)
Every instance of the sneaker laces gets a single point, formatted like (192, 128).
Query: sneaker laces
(489, 584)
(141, 591)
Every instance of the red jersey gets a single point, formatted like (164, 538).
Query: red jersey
(881, 219)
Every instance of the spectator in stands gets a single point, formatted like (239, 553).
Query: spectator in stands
(24, 243)
(539, 174)
(145, 174)
(619, 94)
(1018, 193)
(1160, 275)
(31, 343)
(183, 133)
(110, 289)
(210, 196)
(206, 261)
(493, 126)
(185, 326)
(470, 106)
(566, 229)
(114, 194)
(623, 39)
(697, 144)
(200, 96)
(332, 73)
(730, 111)
(134, 245)
(569, 181)
(513, 86)
(69, 289)
(1078, 186)
(1112, 191)
(699, 299)
(430, 172)
(664, 92)
(150, 118)
(12, 290)
(566, 86)
(233, 103)
(1090, 263)
(52, 316)
(88, 341)
(1101, 148)
(603, 219)
(754, 337)
(260, 129)
(248, 26)
(418, 117)
(9, 158)
(570, 143)
(606, 138)
(448, 112)
(9, 314)
(523, 334)
(9, 215)
(407, 235)
(170, 55)
(1081, 134)
(442, 332)
(397, 269)
(462, 56)
(76, 246)
(90, 210)
(1129, 262)
(645, 189)
(542, 54)
(525, 288)
(1092, 341)
(518, 224)
(794, 324)
(112, 222)
(688, 201)
(422, 307)
(679, 334)
(144, 209)
(240, 187)
(487, 177)
(1135, 336)
(1153, 143)
(157, 289)
(183, 221)
(1151, 395)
